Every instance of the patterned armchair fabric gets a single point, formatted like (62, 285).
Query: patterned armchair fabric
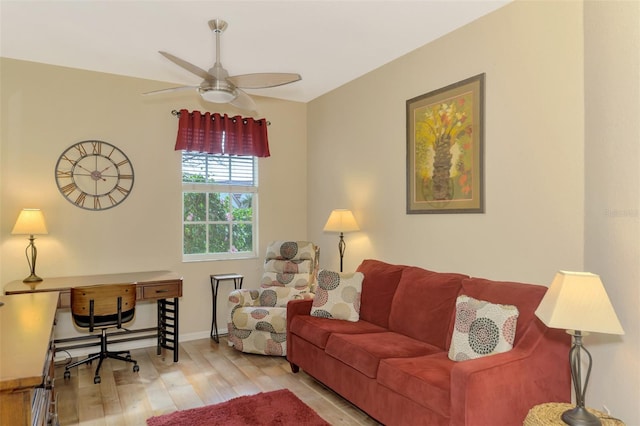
(258, 318)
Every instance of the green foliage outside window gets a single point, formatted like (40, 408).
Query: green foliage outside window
(225, 217)
(218, 221)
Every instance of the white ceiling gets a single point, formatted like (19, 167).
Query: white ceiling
(328, 42)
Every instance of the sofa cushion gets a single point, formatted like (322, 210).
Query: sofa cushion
(482, 329)
(378, 287)
(526, 297)
(363, 352)
(300, 266)
(273, 320)
(424, 305)
(317, 330)
(425, 380)
(290, 250)
(338, 295)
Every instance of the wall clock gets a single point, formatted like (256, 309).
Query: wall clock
(94, 175)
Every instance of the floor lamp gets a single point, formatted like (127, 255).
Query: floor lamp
(341, 220)
(578, 303)
(30, 222)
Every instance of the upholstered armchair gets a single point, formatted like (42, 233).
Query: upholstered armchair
(258, 318)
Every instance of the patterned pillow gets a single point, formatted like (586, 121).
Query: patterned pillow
(338, 295)
(482, 329)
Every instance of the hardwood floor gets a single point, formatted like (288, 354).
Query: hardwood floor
(207, 373)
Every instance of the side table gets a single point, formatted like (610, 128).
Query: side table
(215, 281)
(548, 414)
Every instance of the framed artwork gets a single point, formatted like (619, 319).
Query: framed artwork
(445, 149)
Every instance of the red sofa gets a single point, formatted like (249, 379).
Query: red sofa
(393, 362)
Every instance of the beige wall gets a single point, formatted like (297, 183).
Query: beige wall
(612, 232)
(45, 109)
(534, 162)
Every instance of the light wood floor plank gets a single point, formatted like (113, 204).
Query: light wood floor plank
(207, 373)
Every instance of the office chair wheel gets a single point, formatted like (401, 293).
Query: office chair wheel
(67, 375)
(128, 356)
(136, 368)
(96, 380)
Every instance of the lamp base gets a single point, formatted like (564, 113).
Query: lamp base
(33, 278)
(579, 416)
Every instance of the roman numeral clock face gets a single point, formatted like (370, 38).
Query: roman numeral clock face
(94, 175)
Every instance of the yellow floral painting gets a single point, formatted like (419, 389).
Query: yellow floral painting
(444, 149)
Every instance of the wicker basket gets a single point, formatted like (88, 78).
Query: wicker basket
(549, 415)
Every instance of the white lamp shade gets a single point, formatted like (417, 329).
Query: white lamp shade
(341, 220)
(578, 301)
(30, 222)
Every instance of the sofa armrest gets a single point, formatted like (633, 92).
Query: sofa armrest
(533, 372)
(239, 298)
(295, 307)
(298, 307)
(242, 297)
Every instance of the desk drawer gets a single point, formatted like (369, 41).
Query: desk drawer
(161, 291)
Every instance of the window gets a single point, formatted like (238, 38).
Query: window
(219, 205)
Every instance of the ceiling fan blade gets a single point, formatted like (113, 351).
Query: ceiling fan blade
(218, 87)
(263, 80)
(244, 101)
(188, 66)
(171, 89)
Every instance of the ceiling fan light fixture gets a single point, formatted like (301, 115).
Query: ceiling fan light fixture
(219, 94)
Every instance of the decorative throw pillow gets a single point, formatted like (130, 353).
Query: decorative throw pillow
(338, 295)
(482, 329)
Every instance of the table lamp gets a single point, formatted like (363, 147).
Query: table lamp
(578, 303)
(341, 220)
(30, 222)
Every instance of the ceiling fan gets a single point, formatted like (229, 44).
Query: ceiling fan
(217, 86)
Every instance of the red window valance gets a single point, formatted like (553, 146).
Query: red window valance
(221, 134)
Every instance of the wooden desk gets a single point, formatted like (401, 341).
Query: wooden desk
(162, 286)
(26, 358)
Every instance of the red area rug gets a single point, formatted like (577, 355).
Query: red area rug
(279, 407)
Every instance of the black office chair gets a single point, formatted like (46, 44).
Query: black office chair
(102, 307)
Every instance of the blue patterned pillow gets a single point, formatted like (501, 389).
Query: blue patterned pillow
(482, 329)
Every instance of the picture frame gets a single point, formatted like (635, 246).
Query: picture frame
(445, 149)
